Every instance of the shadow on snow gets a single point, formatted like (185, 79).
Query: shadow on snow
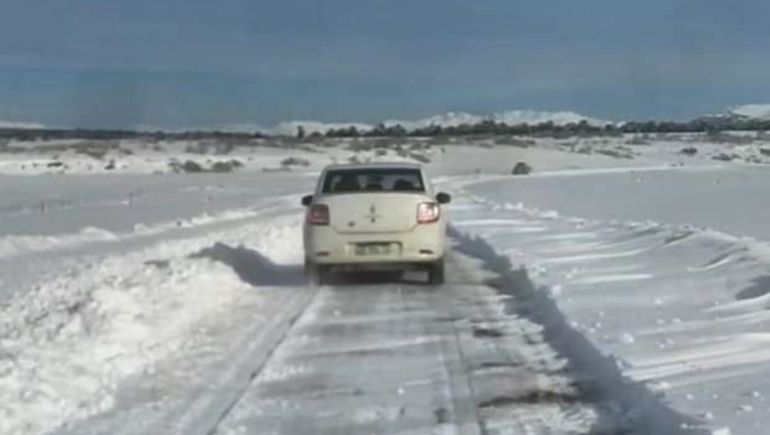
(256, 269)
(641, 409)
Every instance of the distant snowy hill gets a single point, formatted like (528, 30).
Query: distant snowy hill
(512, 117)
(25, 125)
(449, 119)
(289, 128)
(756, 111)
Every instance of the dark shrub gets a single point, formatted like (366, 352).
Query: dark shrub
(689, 151)
(723, 157)
(722, 137)
(294, 161)
(617, 152)
(514, 141)
(521, 168)
(196, 148)
(637, 140)
(228, 166)
(97, 154)
(191, 166)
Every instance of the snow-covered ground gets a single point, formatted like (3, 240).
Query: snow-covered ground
(85, 310)
(132, 296)
(664, 269)
(453, 155)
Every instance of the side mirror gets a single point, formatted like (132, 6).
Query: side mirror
(443, 198)
(307, 200)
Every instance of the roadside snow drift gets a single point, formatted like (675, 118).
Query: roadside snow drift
(681, 308)
(120, 303)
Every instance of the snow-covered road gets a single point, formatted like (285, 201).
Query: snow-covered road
(404, 357)
(377, 355)
(383, 354)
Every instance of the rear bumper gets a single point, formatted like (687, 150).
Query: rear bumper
(379, 267)
(423, 244)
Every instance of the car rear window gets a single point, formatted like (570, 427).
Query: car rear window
(373, 180)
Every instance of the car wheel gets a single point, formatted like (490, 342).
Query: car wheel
(436, 273)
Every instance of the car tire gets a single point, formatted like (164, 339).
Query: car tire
(436, 273)
(316, 274)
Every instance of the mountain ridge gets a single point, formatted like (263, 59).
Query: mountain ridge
(447, 119)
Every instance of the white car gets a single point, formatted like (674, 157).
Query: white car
(374, 217)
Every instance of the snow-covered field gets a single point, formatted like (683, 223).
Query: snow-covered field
(664, 269)
(680, 307)
(84, 310)
(126, 284)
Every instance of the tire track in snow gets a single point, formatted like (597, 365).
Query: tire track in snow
(365, 358)
(402, 358)
(518, 381)
(202, 413)
(183, 356)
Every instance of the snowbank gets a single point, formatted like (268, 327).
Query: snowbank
(69, 343)
(678, 308)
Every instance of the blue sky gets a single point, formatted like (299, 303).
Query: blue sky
(181, 63)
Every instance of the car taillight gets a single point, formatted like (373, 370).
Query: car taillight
(318, 214)
(428, 212)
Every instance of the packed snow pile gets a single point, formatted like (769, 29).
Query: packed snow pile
(89, 315)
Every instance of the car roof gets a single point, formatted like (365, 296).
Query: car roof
(382, 165)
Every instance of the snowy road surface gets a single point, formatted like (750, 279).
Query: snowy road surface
(379, 355)
(410, 358)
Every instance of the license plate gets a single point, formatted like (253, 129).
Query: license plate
(373, 249)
